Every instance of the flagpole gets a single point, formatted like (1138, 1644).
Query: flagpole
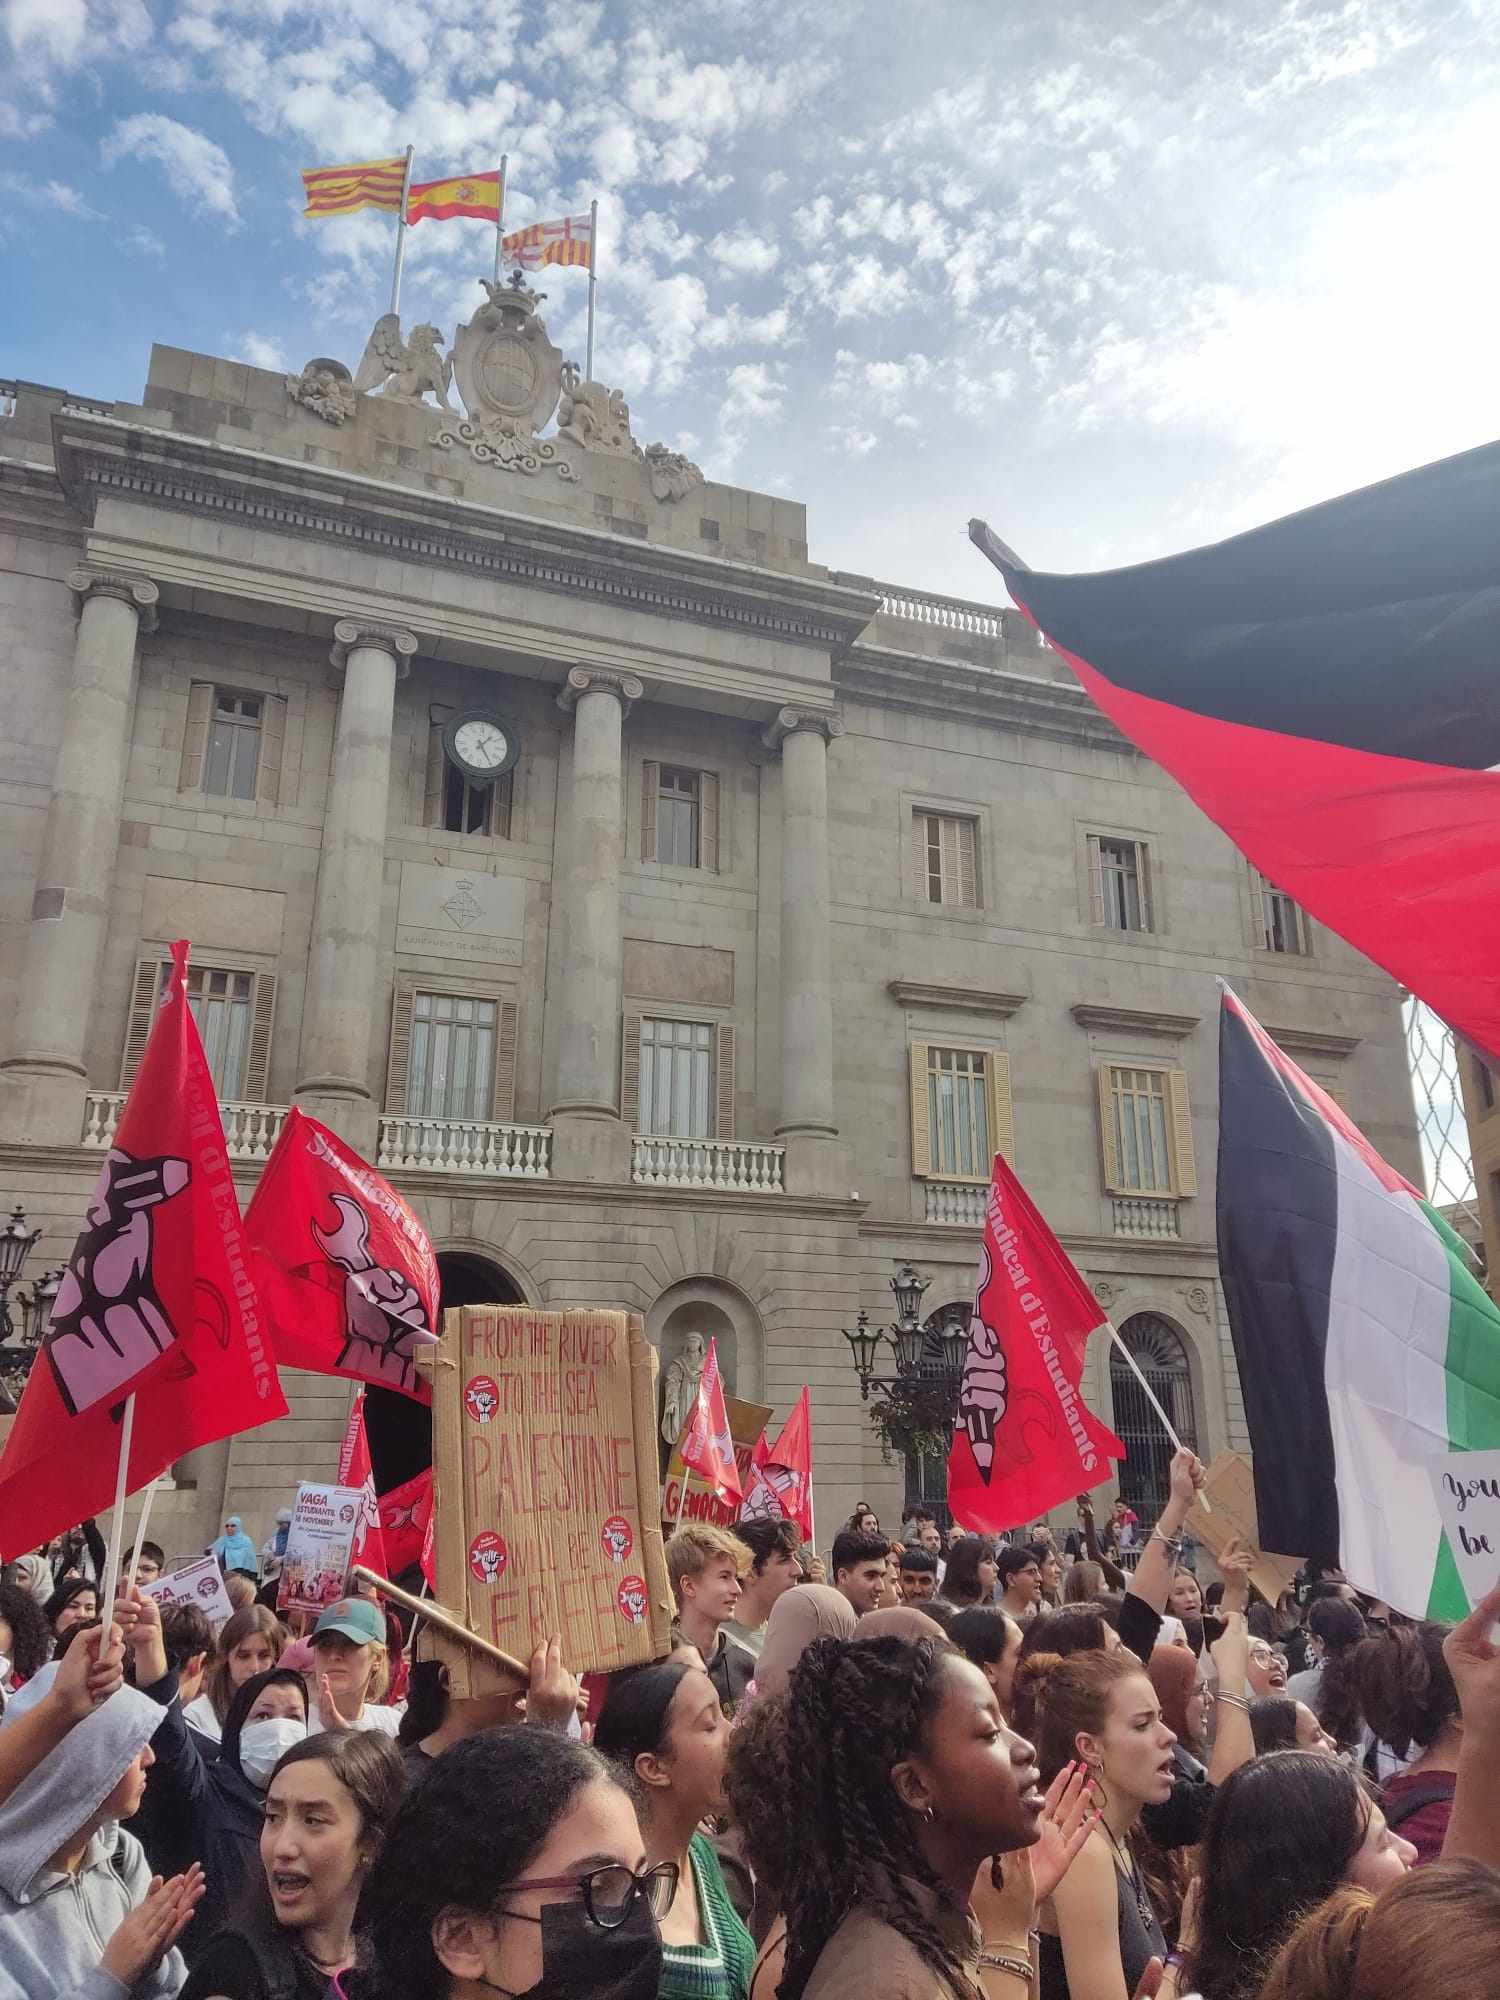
(500, 214)
(1151, 1398)
(588, 362)
(140, 1529)
(111, 1578)
(401, 227)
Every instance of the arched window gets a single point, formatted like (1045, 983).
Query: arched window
(927, 1472)
(1161, 1355)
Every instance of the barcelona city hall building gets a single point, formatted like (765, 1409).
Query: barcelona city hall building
(679, 924)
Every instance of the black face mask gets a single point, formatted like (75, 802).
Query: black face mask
(582, 1962)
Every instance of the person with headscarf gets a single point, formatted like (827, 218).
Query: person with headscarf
(234, 1548)
(273, 1548)
(34, 1573)
(811, 1611)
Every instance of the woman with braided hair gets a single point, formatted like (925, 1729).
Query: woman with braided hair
(905, 1789)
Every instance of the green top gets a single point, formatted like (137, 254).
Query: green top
(719, 1968)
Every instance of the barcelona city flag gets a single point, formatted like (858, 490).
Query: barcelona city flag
(1325, 688)
(463, 194)
(366, 184)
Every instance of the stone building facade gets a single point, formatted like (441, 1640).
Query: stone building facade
(698, 977)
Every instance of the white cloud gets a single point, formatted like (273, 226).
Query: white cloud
(850, 439)
(883, 386)
(743, 252)
(196, 168)
(753, 397)
(258, 349)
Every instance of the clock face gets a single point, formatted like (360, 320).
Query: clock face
(481, 744)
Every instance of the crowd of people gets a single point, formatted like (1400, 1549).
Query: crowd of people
(928, 1766)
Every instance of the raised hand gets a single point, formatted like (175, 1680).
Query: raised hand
(90, 1671)
(329, 1712)
(1187, 1477)
(553, 1693)
(1235, 1565)
(1474, 1662)
(153, 1926)
(1072, 1811)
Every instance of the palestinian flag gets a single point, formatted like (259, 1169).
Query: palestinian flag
(1326, 689)
(1365, 1345)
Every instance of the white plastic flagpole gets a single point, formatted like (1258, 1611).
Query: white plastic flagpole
(110, 1581)
(500, 213)
(588, 362)
(140, 1529)
(401, 235)
(1150, 1394)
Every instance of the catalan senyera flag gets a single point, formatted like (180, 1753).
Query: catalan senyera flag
(462, 194)
(567, 241)
(342, 190)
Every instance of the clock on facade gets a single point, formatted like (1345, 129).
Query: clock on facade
(481, 745)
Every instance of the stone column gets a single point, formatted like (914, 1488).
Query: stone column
(344, 998)
(815, 1163)
(589, 1142)
(44, 1078)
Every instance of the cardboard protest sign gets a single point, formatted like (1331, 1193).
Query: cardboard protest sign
(1230, 1488)
(545, 1484)
(199, 1582)
(746, 1422)
(1466, 1485)
(319, 1547)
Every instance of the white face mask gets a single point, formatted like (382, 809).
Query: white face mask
(5, 1669)
(263, 1745)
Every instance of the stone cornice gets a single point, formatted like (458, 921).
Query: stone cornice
(1314, 1042)
(1135, 1020)
(970, 999)
(926, 684)
(627, 688)
(101, 456)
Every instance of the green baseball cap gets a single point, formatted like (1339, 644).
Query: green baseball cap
(353, 1618)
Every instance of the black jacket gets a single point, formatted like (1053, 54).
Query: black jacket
(242, 1964)
(216, 1814)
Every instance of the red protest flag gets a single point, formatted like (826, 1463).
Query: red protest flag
(1023, 1438)
(707, 1446)
(347, 1274)
(406, 1525)
(781, 1474)
(355, 1470)
(158, 1301)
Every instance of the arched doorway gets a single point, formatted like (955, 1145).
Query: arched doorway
(400, 1429)
(1161, 1354)
(927, 1472)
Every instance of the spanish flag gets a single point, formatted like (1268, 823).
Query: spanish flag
(465, 194)
(342, 190)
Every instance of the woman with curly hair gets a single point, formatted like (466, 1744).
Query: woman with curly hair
(25, 1636)
(904, 1787)
(1408, 1699)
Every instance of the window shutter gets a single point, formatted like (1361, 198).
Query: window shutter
(968, 864)
(723, 1081)
(921, 1130)
(1096, 882)
(432, 798)
(1107, 1131)
(918, 859)
(258, 1057)
(200, 711)
(708, 821)
(630, 1073)
(1143, 875)
(143, 994)
(1184, 1165)
(398, 1056)
(503, 805)
(650, 785)
(272, 749)
(503, 1085)
(998, 1106)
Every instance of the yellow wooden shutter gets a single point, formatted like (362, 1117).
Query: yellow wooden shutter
(630, 1072)
(503, 1085)
(1143, 876)
(143, 996)
(398, 1055)
(200, 713)
(968, 864)
(708, 821)
(1096, 880)
(921, 1129)
(503, 806)
(1107, 1141)
(1184, 1162)
(432, 796)
(723, 1081)
(650, 784)
(272, 749)
(998, 1105)
(258, 1056)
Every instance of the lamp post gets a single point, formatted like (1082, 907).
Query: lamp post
(930, 1356)
(17, 1355)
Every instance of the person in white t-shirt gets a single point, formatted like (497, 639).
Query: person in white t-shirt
(351, 1669)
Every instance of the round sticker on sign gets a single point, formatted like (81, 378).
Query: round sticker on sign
(482, 1397)
(631, 1598)
(616, 1538)
(488, 1556)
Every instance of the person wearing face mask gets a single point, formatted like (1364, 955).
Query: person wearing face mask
(665, 1725)
(550, 1898)
(327, 1807)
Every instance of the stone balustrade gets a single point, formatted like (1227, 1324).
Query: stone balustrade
(956, 1202)
(465, 1146)
(737, 1166)
(1147, 1216)
(250, 1130)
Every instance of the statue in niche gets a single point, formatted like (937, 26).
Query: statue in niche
(680, 1390)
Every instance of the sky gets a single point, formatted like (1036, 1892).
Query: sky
(1120, 277)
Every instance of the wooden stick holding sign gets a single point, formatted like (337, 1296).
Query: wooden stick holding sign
(434, 1613)
(1150, 1394)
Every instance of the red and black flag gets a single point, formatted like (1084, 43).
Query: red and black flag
(1326, 688)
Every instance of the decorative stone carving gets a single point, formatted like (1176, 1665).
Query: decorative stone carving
(787, 721)
(593, 416)
(393, 639)
(137, 591)
(326, 388)
(671, 475)
(587, 680)
(1198, 1299)
(404, 370)
(509, 375)
(1104, 1291)
(504, 442)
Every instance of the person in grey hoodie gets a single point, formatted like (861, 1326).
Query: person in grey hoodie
(81, 1916)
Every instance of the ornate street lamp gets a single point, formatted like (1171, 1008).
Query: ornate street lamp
(16, 1245)
(909, 1285)
(863, 1345)
(17, 1355)
(911, 1343)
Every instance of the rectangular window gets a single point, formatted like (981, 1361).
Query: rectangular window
(221, 1007)
(230, 767)
(1484, 1082)
(958, 1126)
(1141, 1125)
(677, 1099)
(471, 808)
(1121, 882)
(948, 865)
(1282, 925)
(452, 1061)
(678, 799)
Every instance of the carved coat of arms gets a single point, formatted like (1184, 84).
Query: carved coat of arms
(510, 376)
